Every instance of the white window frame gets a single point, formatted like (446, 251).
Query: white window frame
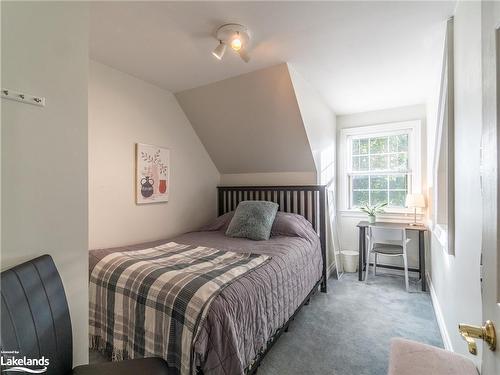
(445, 233)
(413, 128)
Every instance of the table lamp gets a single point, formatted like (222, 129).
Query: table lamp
(415, 201)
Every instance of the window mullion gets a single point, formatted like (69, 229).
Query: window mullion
(370, 190)
(369, 156)
(388, 192)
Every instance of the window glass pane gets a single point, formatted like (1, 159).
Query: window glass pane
(378, 162)
(378, 182)
(355, 163)
(403, 142)
(398, 143)
(360, 182)
(360, 163)
(398, 162)
(359, 198)
(397, 198)
(378, 145)
(355, 146)
(363, 146)
(397, 182)
(363, 163)
(378, 197)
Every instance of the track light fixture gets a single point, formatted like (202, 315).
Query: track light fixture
(234, 35)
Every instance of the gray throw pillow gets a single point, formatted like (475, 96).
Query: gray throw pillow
(219, 224)
(291, 225)
(253, 220)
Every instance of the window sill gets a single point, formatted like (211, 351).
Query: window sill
(404, 216)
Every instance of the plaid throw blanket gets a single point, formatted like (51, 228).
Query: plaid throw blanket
(151, 302)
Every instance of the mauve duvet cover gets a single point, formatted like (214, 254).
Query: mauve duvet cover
(249, 311)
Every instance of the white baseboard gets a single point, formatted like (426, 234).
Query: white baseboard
(439, 315)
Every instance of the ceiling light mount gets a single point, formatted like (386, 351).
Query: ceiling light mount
(235, 36)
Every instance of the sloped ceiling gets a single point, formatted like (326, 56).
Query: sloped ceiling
(359, 55)
(355, 56)
(251, 123)
(318, 119)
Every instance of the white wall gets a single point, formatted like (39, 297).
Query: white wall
(316, 122)
(44, 150)
(278, 178)
(348, 220)
(456, 278)
(398, 114)
(123, 111)
(319, 123)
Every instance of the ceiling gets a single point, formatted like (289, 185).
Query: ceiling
(360, 56)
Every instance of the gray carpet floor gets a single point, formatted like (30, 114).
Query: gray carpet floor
(348, 330)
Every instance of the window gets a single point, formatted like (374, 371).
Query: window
(379, 170)
(381, 165)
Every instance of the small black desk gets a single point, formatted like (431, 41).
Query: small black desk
(362, 225)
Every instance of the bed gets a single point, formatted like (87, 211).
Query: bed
(247, 315)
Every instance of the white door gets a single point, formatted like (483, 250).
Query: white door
(490, 179)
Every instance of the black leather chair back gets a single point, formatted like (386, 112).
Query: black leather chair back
(35, 317)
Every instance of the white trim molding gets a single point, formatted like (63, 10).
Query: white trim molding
(404, 216)
(440, 232)
(439, 315)
(444, 152)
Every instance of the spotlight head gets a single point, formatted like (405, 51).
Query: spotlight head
(244, 55)
(218, 52)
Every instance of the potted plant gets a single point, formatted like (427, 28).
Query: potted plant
(372, 211)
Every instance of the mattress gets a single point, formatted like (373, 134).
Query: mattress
(246, 314)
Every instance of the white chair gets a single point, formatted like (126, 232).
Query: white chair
(386, 241)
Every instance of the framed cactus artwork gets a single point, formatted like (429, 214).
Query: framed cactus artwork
(152, 182)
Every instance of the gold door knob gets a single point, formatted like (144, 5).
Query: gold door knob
(486, 333)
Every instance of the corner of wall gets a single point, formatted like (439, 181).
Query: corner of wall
(154, 117)
(439, 315)
(319, 121)
(456, 278)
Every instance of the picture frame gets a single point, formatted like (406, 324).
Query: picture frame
(152, 180)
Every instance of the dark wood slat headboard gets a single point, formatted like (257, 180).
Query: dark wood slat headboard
(306, 200)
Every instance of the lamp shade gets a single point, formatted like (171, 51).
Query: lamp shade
(415, 201)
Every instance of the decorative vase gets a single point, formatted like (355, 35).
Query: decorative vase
(163, 186)
(147, 187)
(372, 219)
